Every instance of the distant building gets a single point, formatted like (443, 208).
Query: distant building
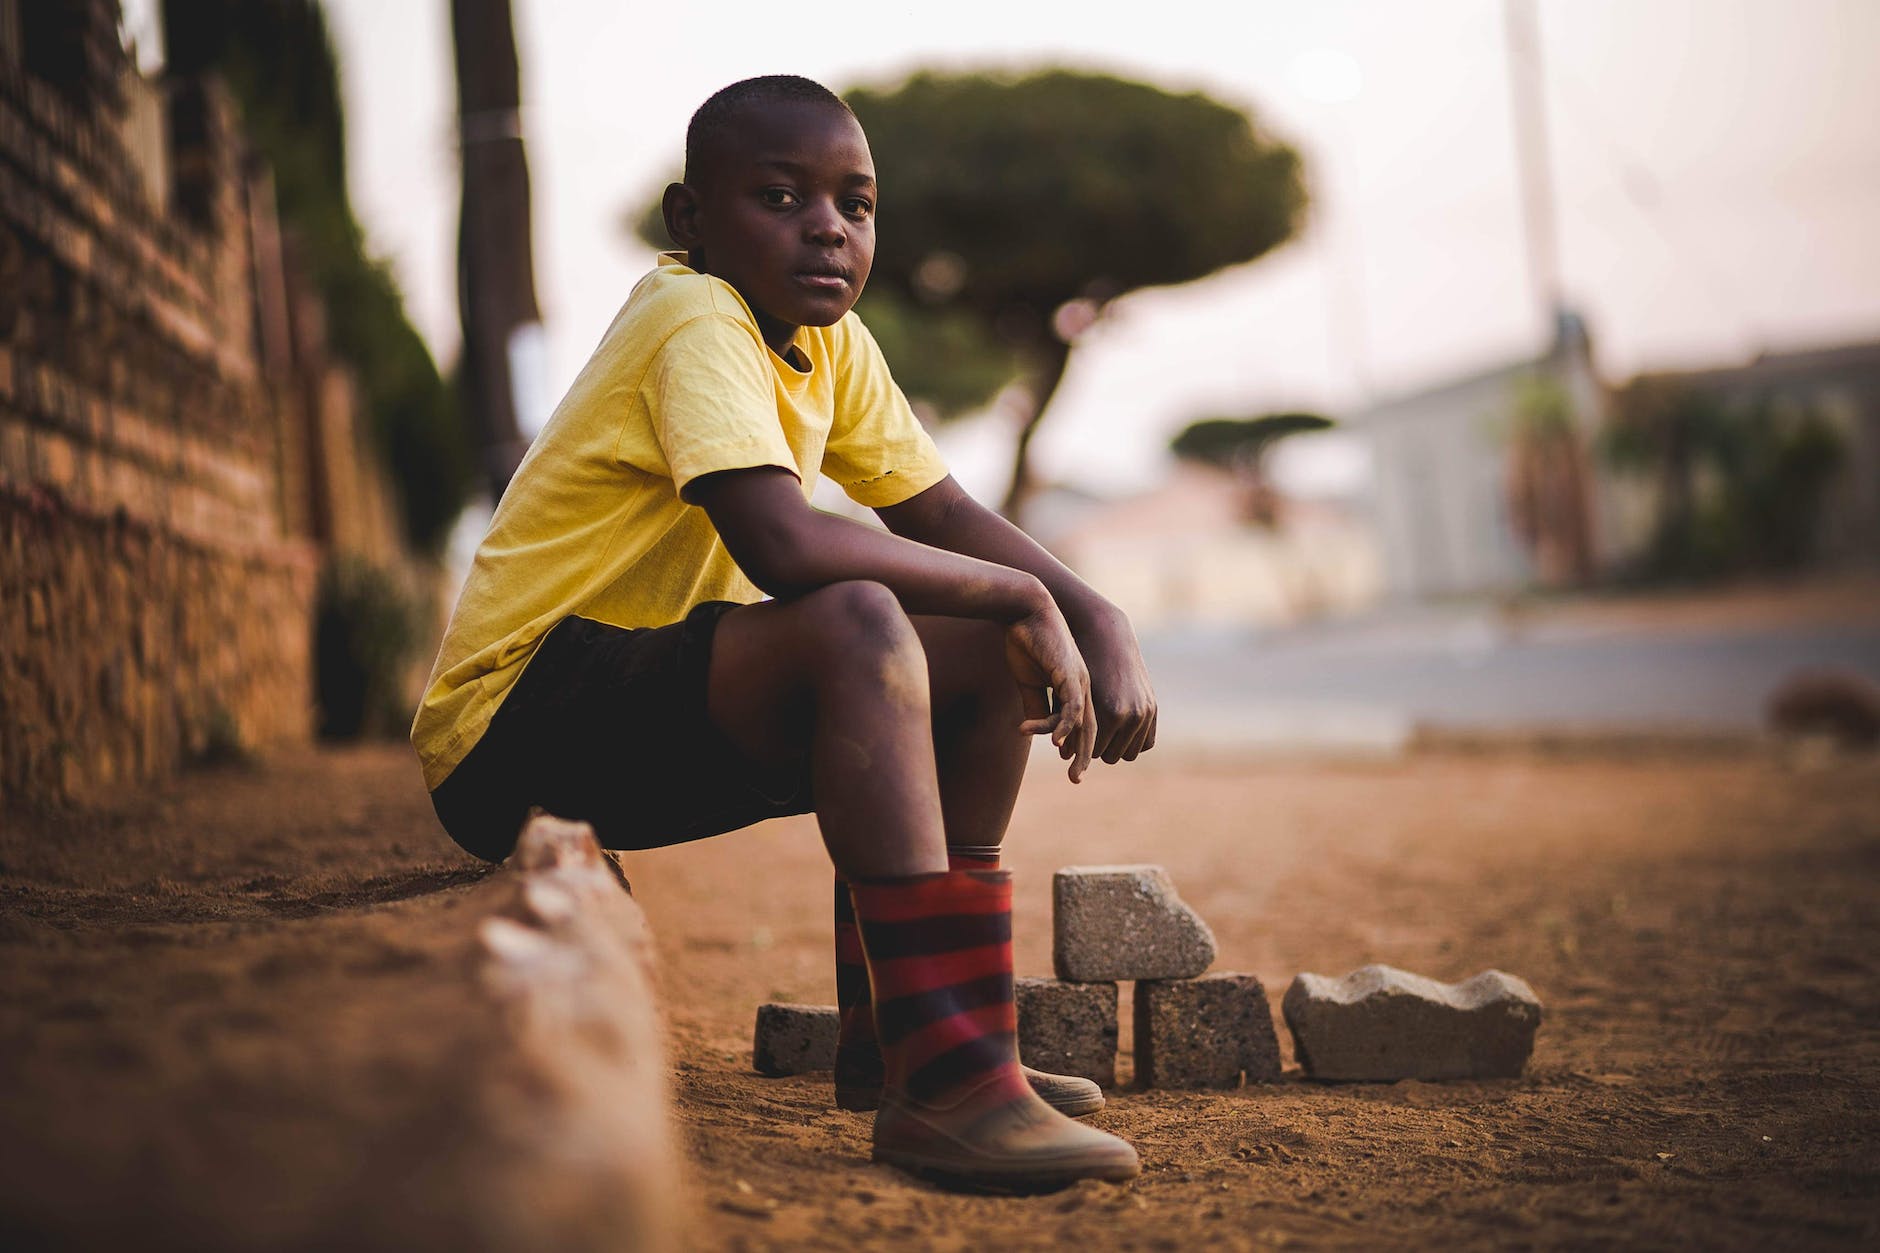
(1441, 474)
(1185, 555)
(1445, 476)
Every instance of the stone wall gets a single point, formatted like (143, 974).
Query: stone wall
(165, 452)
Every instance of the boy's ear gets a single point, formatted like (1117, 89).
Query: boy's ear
(680, 207)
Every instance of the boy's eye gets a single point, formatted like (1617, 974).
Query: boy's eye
(778, 197)
(858, 208)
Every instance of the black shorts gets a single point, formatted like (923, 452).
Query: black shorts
(608, 726)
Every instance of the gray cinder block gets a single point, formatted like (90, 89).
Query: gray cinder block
(1379, 1023)
(1124, 922)
(1204, 1033)
(1068, 1028)
(794, 1039)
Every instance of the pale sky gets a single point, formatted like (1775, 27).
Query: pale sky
(1716, 164)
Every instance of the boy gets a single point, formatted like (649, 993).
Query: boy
(610, 658)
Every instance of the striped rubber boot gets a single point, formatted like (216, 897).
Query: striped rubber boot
(954, 1102)
(858, 1069)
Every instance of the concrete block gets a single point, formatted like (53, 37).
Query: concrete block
(1383, 1024)
(794, 1039)
(1068, 1028)
(1204, 1033)
(1124, 922)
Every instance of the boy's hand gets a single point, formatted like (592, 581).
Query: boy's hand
(1041, 653)
(1121, 695)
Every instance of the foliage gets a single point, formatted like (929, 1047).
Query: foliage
(1234, 442)
(1543, 408)
(1058, 185)
(1739, 485)
(1240, 445)
(944, 358)
(277, 59)
(365, 628)
(1546, 480)
(1023, 205)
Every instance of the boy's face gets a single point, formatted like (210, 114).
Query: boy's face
(785, 213)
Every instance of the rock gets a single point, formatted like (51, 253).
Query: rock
(1068, 1028)
(1204, 1033)
(1379, 1023)
(794, 1039)
(1124, 922)
(569, 1052)
(1839, 707)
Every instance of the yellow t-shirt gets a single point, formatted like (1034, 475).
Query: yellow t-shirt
(594, 523)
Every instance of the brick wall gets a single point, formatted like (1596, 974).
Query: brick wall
(162, 473)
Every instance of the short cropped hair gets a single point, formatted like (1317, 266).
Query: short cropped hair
(720, 113)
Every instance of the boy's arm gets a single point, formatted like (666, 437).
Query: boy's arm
(945, 516)
(787, 549)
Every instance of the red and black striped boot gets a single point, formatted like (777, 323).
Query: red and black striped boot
(954, 1102)
(858, 1053)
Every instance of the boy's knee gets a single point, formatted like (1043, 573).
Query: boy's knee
(865, 642)
(860, 615)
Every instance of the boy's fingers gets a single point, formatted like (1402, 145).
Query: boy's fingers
(1088, 741)
(1034, 701)
(1137, 740)
(1123, 741)
(1085, 728)
(1038, 726)
(1139, 737)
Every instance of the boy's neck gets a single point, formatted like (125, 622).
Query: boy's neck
(778, 336)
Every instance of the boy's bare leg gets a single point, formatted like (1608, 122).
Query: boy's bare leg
(841, 673)
(776, 665)
(979, 751)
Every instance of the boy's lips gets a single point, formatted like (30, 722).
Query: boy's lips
(823, 277)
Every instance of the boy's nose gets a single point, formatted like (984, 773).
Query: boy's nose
(825, 226)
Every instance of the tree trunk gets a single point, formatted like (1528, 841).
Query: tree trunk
(495, 270)
(1048, 359)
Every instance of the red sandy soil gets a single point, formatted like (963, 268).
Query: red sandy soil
(1701, 929)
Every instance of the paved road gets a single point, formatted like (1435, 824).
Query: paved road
(1371, 682)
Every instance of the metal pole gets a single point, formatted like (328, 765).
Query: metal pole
(1531, 152)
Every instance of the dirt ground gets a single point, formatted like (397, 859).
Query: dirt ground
(1701, 928)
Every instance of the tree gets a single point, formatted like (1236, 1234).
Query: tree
(1021, 207)
(495, 266)
(1739, 485)
(1546, 481)
(1240, 446)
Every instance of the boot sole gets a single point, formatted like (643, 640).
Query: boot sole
(1006, 1180)
(867, 1099)
(1074, 1108)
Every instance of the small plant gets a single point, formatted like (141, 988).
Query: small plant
(221, 741)
(365, 626)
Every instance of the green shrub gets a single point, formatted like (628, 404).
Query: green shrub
(365, 627)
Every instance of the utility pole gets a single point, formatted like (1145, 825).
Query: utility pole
(495, 267)
(1533, 158)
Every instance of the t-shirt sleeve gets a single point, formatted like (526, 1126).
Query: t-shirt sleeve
(711, 402)
(878, 452)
